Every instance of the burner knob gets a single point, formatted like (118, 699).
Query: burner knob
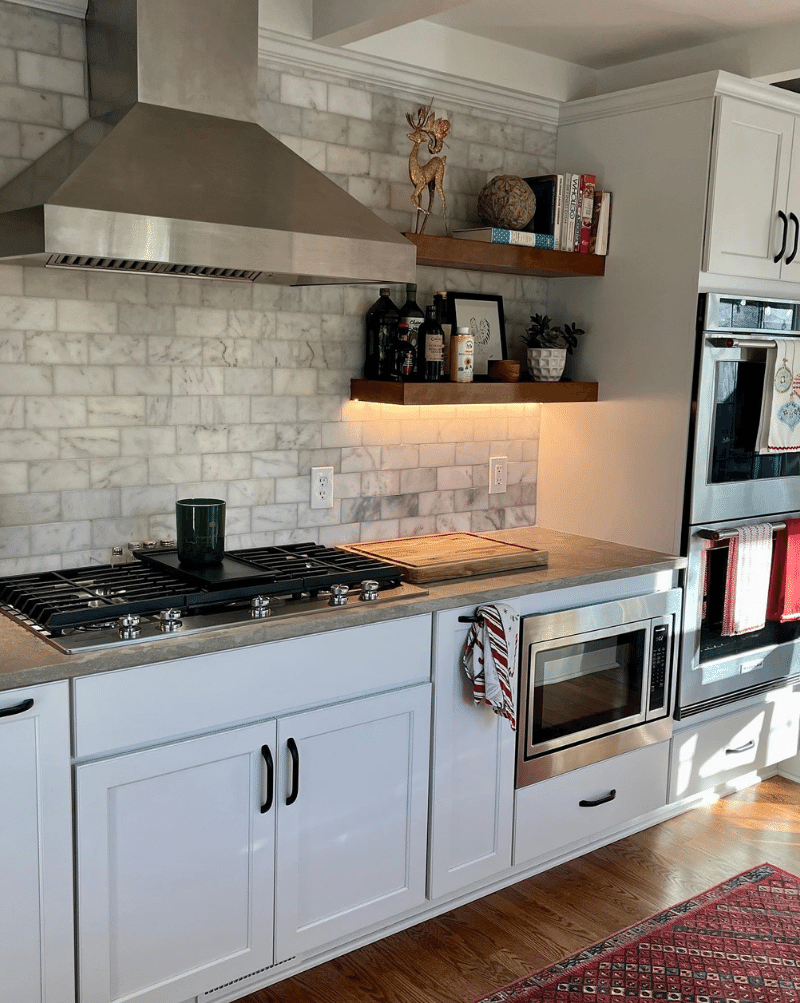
(259, 606)
(129, 626)
(169, 619)
(338, 595)
(149, 545)
(168, 544)
(369, 591)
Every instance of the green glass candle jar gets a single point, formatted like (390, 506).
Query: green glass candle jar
(200, 530)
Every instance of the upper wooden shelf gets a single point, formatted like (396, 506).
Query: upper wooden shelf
(481, 256)
(524, 392)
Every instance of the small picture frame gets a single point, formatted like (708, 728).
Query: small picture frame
(482, 313)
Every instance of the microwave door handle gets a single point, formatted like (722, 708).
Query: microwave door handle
(785, 221)
(790, 258)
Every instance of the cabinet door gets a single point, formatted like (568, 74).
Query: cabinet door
(472, 796)
(352, 817)
(36, 935)
(750, 185)
(175, 868)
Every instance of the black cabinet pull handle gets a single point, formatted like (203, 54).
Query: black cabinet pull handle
(796, 222)
(291, 745)
(19, 708)
(470, 619)
(742, 748)
(780, 254)
(604, 800)
(270, 779)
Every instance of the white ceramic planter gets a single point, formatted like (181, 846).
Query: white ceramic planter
(546, 365)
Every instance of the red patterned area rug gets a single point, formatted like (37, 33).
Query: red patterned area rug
(738, 942)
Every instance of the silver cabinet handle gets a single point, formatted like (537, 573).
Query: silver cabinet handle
(742, 748)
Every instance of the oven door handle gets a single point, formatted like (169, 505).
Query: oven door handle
(598, 801)
(780, 254)
(790, 257)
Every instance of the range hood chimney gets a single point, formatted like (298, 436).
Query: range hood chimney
(173, 173)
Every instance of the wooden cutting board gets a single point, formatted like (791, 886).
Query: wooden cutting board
(451, 555)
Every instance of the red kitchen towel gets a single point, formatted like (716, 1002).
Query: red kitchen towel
(748, 578)
(784, 586)
(489, 657)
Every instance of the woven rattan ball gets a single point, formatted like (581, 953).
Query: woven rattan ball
(506, 201)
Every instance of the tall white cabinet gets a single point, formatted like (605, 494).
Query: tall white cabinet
(36, 939)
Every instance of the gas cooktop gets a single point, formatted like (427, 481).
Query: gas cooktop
(109, 605)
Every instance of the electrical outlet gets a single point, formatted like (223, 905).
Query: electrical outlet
(498, 471)
(322, 487)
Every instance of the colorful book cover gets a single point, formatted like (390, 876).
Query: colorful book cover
(589, 183)
(572, 185)
(499, 235)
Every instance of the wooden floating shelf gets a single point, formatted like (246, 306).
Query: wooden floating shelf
(481, 256)
(525, 392)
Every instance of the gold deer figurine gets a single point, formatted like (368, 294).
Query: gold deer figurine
(427, 128)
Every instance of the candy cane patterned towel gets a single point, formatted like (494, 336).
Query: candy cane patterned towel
(489, 657)
(747, 581)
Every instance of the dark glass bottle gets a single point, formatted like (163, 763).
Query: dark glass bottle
(413, 315)
(431, 339)
(404, 355)
(381, 324)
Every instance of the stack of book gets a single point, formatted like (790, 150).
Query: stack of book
(572, 214)
(574, 210)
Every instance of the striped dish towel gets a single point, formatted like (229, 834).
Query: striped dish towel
(747, 581)
(489, 658)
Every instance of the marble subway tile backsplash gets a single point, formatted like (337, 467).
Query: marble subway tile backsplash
(121, 393)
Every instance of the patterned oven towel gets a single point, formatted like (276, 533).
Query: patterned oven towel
(747, 581)
(489, 657)
(779, 429)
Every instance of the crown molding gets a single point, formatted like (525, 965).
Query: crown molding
(72, 8)
(287, 52)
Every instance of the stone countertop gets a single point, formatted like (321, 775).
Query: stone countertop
(573, 560)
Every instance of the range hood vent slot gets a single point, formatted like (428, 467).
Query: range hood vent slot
(129, 265)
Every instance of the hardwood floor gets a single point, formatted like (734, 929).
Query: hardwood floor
(473, 950)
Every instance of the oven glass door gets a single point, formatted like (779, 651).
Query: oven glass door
(730, 478)
(584, 686)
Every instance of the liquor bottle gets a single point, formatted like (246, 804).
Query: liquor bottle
(381, 324)
(413, 315)
(432, 342)
(404, 355)
(440, 302)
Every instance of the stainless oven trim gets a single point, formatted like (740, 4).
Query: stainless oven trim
(736, 499)
(531, 651)
(655, 607)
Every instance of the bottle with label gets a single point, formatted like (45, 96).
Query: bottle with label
(404, 355)
(381, 323)
(440, 302)
(432, 342)
(413, 315)
(462, 353)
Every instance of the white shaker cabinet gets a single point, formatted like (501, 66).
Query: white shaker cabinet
(175, 867)
(36, 923)
(352, 817)
(754, 210)
(472, 796)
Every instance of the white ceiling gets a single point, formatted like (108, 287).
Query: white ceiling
(611, 32)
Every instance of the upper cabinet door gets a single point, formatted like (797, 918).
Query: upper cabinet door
(750, 187)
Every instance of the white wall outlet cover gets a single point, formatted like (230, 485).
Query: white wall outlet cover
(322, 487)
(498, 474)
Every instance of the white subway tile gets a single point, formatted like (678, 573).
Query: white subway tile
(16, 541)
(251, 438)
(55, 412)
(172, 410)
(30, 509)
(379, 483)
(74, 111)
(89, 442)
(226, 466)
(97, 380)
(150, 380)
(51, 73)
(21, 104)
(78, 505)
(82, 315)
(272, 518)
(20, 379)
(147, 500)
(11, 284)
(123, 411)
(34, 140)
(303, 92)
(148, 441)
(12, 344)
(275, 463)
(117, 349)
(294, 383)
(256, 491)
(51, 348)
(173, 469)
(27, 313)
(173, 351)
(60, 537)
(201, 438)
(195, 381)
(14, 478)
(28, 444)
(12, 412)
(437, 454)
(117, 471)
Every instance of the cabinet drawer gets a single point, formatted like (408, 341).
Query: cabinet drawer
(726, 747)
(549, 816)
(153, 703)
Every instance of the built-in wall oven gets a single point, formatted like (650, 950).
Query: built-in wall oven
(731, 484)
(595, 682)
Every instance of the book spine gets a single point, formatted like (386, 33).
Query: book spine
(522, 237)
(576, 230)
(573, 181)
(558, 214)
(587, 206)
(604, 223)
(598, 198)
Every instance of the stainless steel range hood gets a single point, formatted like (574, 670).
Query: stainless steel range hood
(173, 173)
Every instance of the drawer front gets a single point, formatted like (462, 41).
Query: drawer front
(549, 816)
(722, 749)
(153, 703)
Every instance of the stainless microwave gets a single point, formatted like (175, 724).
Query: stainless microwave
(595, 682)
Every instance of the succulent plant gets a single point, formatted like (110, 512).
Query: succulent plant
(543, 333)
